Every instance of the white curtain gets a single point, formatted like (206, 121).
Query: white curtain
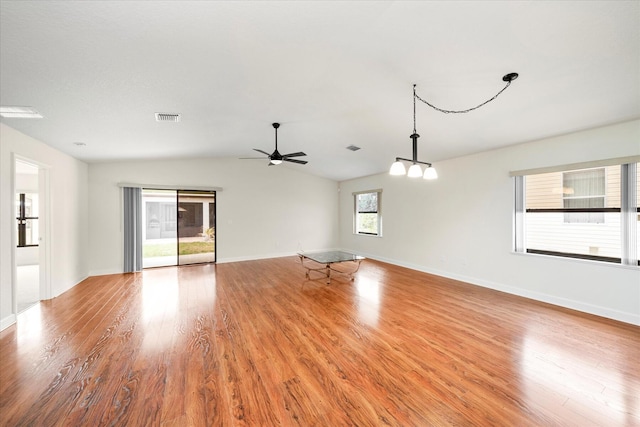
(585, 189)
(132, 203)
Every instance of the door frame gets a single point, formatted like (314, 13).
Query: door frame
(44, 226)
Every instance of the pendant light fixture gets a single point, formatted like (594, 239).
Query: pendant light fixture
(415, 170)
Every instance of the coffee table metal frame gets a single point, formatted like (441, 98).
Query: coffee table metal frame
(326, 262)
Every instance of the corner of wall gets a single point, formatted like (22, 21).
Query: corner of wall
(7, 321)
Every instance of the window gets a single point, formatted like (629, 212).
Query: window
(589, 213)
(584, 189)
(367, 218)
(27, 218)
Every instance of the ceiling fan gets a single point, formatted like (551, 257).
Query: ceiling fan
(276, 158)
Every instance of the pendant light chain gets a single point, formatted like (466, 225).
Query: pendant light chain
(414, 108)
(507, 78)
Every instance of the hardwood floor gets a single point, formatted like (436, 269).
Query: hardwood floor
(253, 343)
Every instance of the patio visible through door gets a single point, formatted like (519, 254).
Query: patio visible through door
(178, 227)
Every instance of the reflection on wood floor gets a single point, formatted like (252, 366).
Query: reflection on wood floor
(253, 343)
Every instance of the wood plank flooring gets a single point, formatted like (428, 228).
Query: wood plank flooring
(255, 344)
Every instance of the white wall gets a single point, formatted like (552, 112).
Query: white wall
(27, 256)
(26, 183)
(460, 226)
(68, 213)
(263, 211)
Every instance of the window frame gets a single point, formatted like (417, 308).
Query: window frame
(378, 212)
(629, 211)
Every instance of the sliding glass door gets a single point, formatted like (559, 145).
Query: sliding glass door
(196, 227)
(178, 227)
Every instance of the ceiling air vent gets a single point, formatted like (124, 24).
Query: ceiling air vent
(167, 117)
(353, 148)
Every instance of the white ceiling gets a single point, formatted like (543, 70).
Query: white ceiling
(333, 73)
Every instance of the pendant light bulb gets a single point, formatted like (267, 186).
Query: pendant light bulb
(415, 171)
(430, 173)
(397, 168)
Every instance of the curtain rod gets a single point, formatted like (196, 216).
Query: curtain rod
(169, 187)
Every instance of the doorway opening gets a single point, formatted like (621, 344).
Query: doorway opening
(27, 245)
(178, 227)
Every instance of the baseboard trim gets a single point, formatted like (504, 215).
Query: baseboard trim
(596, 310)
(252, 258)
(104, 272)
(7, 321)
(267, 256)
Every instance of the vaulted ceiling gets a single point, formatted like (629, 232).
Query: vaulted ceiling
(332, 73)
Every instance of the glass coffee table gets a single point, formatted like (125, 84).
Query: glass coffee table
(325, 262)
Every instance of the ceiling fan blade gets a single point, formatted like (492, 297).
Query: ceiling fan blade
(302, 162)
(261, 158)
(297, 154)
(263, 152)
